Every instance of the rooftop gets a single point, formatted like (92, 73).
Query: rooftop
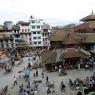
(90, 17)
(72, 37)
(86, 27)
(23, 23)
(74, 53)
(49, 56)
(22, 43)
(66, 37)
(45, 26)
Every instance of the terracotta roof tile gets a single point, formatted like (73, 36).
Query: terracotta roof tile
(66, 37)
(48, 56)
(73, 53)
(85, 26)
(88, 37)
(88, 18)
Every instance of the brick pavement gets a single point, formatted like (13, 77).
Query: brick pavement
(53, 77)
(56, 79)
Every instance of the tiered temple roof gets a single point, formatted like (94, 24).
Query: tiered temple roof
(90, 17)
(49, 56)
(88, 25)
(66, 37)
(71, 42)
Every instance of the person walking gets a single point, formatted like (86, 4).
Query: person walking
(62, 86)
(55, 68)
(29, 65)
(36, 86)
(86, 67)
(46, 79)
(36, 73)
(20, 76)
(25, 92)
(48, 90)
(42, 74)
(59, 70)
(13, 62)
(15, 81)
(78, 66)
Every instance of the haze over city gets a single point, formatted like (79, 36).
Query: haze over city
(55, 12)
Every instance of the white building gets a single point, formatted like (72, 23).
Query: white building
(34, 33)
(36, 30)
(38, 33)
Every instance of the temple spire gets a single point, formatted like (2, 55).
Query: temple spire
(92, 13)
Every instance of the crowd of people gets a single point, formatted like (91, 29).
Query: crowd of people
(85, 85)
(32, 86)
(29, 89)
(4, 91)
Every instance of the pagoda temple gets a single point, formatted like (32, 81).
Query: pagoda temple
(88, 25)
(71, 47)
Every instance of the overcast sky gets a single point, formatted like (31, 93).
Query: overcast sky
(53, 11)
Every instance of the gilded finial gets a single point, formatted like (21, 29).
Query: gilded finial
(92, 13)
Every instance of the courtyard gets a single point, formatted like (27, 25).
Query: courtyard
(53, 78)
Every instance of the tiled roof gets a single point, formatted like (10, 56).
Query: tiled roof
(74, 53)
(45, 26)
(70, 37)
(88, 37)
(90, 17)
(23, 23)
(66, 37)
(85, 26)
(57, 36)
(49, 56)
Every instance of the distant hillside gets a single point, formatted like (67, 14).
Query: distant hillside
(66, 27)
